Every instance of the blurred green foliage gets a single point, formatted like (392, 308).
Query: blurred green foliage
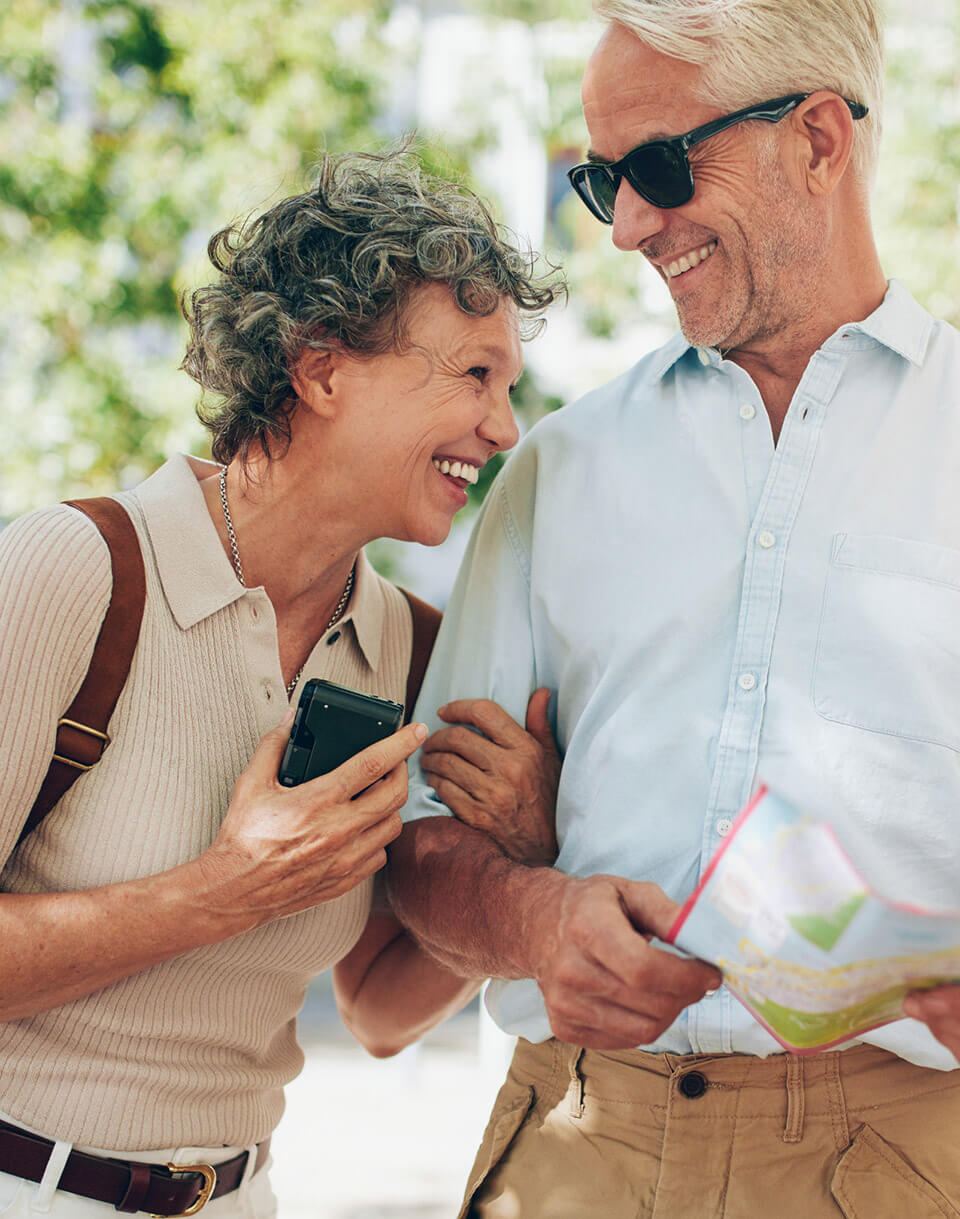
(132, 129)
(917, 200)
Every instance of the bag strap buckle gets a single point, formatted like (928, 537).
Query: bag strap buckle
(101, 736)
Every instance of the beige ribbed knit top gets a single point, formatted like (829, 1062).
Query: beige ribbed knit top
(194, 1051)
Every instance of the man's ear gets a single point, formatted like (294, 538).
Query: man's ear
(315, 377)
(824, 126)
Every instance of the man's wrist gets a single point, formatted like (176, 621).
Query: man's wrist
(536, 897)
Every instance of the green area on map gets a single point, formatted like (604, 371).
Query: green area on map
(825, 929)
(806, 1030)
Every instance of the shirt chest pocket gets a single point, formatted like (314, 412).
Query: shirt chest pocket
(888, 649)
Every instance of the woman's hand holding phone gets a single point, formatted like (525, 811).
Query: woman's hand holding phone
(281, 850)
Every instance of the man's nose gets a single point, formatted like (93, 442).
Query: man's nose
(499, 427)
(634, 219)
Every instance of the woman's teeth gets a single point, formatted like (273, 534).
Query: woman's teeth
(689, 261)
(457, 469)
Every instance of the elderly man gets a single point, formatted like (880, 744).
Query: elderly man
(740, 559)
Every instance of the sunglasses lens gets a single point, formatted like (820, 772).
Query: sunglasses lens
(597, 187)
(660, 173)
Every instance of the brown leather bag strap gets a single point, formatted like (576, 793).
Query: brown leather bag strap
(426, 623)
(82, 731)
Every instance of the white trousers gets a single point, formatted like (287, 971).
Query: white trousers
(19, 1199)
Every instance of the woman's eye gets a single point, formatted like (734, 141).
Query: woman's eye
(479, 372)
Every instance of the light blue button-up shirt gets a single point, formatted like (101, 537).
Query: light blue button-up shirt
(714, 611)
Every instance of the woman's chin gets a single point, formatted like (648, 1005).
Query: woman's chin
(434, 536)
(430, 529)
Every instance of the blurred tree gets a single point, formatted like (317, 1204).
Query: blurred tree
(131, 131)
(917, 201)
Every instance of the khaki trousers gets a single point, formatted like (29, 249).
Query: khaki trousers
(629, 1135)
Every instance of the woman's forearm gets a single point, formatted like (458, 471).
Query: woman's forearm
(278, 851)
(58, 947)
(390, 991)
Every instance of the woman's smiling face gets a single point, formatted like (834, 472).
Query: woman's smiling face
(406, 418)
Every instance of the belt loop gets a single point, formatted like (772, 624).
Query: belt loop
(793, 1126)
(43, 1198)
(251, 1165)
(836, 1101)
(243, 1194)
(575, 1090)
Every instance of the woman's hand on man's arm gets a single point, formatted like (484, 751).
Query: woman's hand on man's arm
(503, 782)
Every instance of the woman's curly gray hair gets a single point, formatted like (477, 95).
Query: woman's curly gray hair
(334, 267)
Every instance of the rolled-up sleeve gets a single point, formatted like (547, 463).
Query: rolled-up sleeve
(485, 645)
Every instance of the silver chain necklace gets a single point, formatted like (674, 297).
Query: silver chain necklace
(344, 596)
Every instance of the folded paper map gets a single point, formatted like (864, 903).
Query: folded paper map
(803, 942)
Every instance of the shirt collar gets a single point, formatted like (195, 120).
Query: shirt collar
(899, 323)
(669, 354)
(197, 577)
(195, 573)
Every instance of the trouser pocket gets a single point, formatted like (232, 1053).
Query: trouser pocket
(872, 1181)
(513, 1104)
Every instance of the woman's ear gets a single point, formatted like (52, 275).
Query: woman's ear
(314, 377)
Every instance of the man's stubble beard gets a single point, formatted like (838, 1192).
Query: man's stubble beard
(774, 288)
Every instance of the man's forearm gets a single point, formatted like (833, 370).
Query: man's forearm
(468, 904)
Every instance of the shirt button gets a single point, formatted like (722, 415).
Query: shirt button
(766, 540)
(333, 638)
(724, 825)
(268, 691)
(747, 681)
(748, 410)
(703, 355)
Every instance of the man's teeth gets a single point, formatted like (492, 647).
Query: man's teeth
(457, 469)
(689, 261)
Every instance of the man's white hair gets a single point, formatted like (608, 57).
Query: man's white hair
(752, 50)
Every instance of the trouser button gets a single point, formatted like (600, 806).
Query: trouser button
(693, 1084)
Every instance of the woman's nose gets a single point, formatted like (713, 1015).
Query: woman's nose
(499, 426)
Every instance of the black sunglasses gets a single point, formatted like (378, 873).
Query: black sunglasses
(659, 171)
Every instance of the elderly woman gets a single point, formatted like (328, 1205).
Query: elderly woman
(159, 932)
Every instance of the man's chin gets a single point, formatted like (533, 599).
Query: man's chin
(701, 325)
(700, 334)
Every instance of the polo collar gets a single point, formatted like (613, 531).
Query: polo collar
(195, 573)
(197, 577)
(366, 611)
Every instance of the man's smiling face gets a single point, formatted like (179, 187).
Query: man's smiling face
(749, 244)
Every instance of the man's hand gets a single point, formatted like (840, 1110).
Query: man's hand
(503, 783)
(939, 1010)
(605, 987)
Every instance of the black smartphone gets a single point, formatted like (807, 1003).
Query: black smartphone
(331, 725)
